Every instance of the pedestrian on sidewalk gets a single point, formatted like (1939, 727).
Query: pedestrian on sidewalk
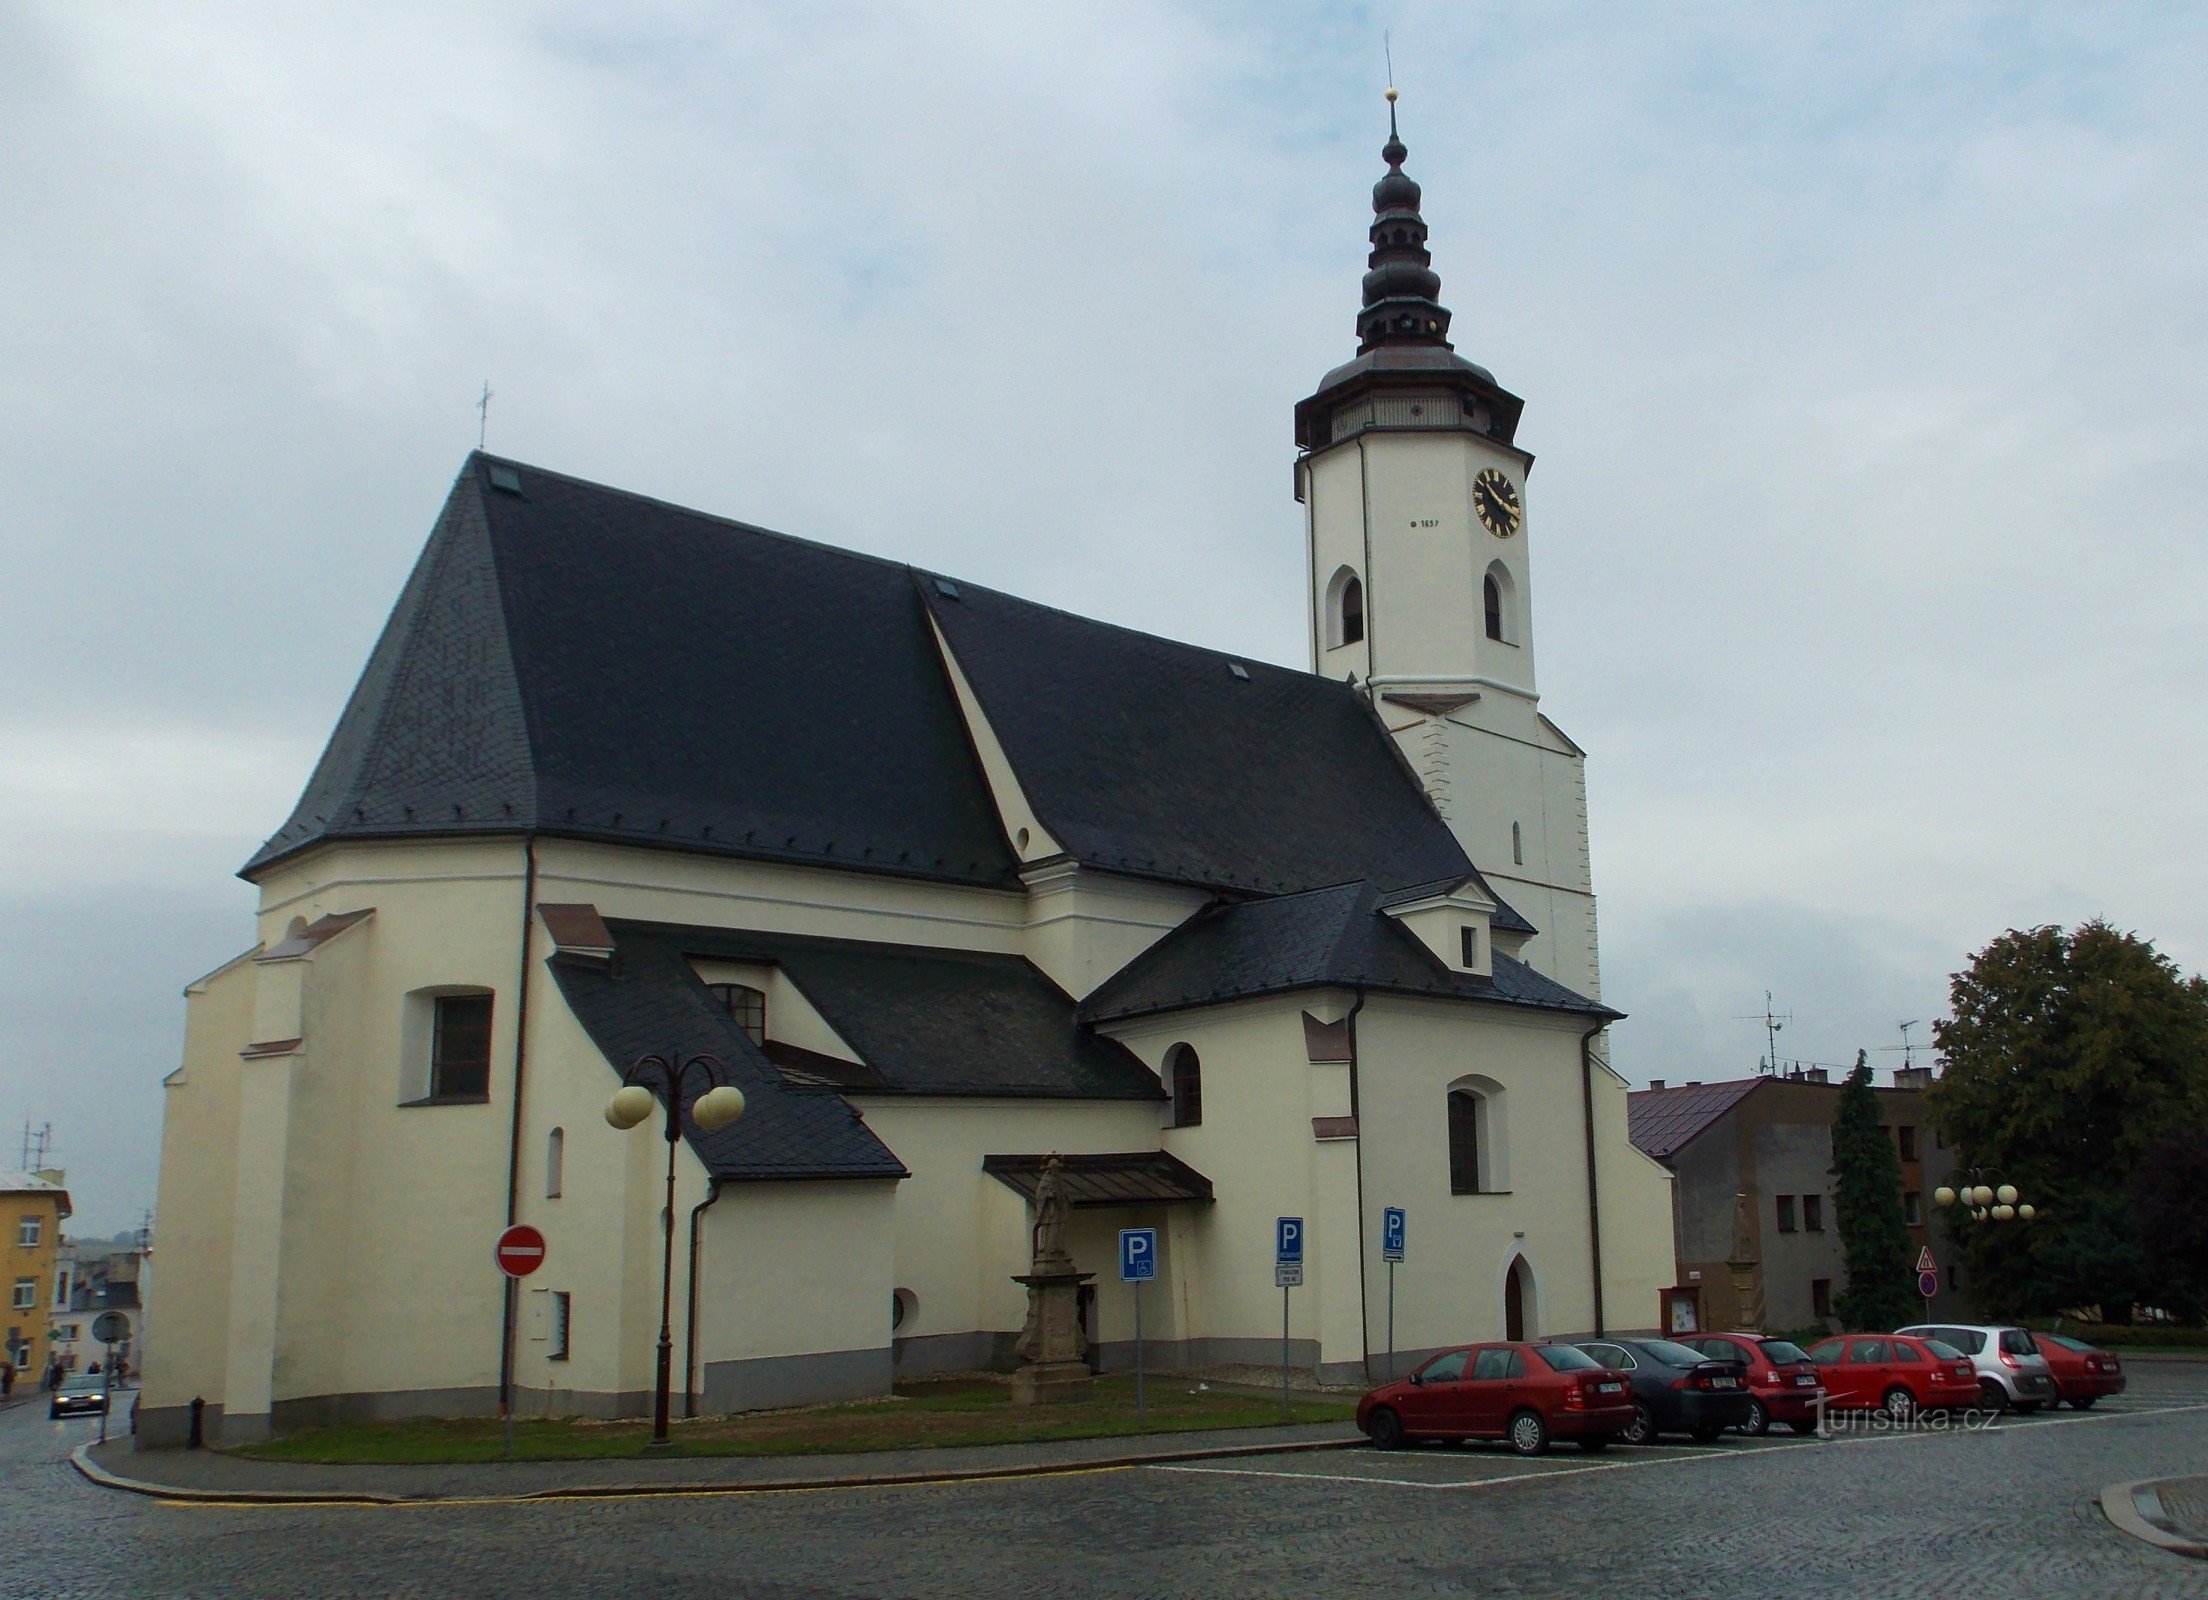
(7, 1380)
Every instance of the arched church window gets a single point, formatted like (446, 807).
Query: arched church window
(1500, 592)
(1464, 1142)
(748, 1006)
(1345, 609)
(1494, 596)
(1184, 1080)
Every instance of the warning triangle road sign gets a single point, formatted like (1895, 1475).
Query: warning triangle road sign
(1925, 1263)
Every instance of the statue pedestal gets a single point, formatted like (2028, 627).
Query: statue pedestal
(1052, 1344)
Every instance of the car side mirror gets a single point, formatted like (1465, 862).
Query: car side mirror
(1418, 1378)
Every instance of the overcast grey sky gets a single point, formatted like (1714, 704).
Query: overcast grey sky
(1863, 350)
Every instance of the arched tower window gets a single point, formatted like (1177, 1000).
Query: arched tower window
(555, 1163)
(1345, 609)
(1464, 1142)
(1499, 592)
(1184, 1080)
(747, 1005)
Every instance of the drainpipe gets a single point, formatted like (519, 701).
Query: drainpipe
(1594, 1193)
(690, 1329)
(1364, 1313)
(513, 1151)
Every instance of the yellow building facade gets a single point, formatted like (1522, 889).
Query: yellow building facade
(32, 1208)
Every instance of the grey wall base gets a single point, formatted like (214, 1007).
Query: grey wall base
(170, 1427)
(766, 1382)
(921, 1354)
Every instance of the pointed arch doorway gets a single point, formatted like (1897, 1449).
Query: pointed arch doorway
(1518, 1301)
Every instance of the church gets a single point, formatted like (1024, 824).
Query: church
(946, 883)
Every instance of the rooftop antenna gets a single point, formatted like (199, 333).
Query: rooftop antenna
(1772, 1023)
(483, 415)
(36, 1145)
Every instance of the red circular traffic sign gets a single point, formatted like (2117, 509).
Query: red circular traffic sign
(520, 1250)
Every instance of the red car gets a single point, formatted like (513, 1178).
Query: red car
(2082, 1373)
(1894, 1373)
(1526, 1394)
(1782, 1380)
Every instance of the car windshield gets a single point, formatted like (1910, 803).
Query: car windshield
(1943, 1351)
(2066, 1342)
(1780, 1352)
(83, 1385)
(1674, 1355)
(1563, 1358)
(2016, 1342)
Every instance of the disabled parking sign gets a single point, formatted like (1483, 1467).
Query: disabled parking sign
(1138, 1255)
(1391, 1234)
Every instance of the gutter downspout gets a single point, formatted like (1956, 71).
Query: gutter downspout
(1594, 1193)
(513, 1151)
(690, 1328)
(1364, 1310)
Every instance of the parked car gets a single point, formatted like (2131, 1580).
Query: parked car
(1524, 1393)
(84, 1392)
(1783, 1385)
(2082, 1374)
(1898, 1374)
(2011, 1371)
(1676, 1389)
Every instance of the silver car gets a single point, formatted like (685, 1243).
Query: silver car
(2011, 1371)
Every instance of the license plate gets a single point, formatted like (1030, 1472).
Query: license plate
(1724, 1383)
(1803, 1380)
(1609, 1388)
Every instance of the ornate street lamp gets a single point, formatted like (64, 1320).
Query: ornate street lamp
(661, 1078)
(1997, 1201)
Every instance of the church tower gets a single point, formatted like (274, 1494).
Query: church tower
(1419, 537)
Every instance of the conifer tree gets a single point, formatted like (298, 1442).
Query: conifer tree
(1866, 1199)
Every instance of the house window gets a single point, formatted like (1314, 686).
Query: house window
(1813, 1213)
(748, 1006)
(1820, 1297)
(61, 1290)
(460, 1049)
(1907, 1133)
(1786, 1213)
(23, 1355)
(1464, 1142)
(1469, 941)
(556, 1347)
(1184, 1076)
(28, 1230)
(1912, 1208)
(1493, 594)
(555, 1163)
(26, 1293)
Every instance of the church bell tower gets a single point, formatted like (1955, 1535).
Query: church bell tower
(1416, 519)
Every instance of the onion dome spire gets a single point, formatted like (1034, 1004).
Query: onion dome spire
(1402, 290)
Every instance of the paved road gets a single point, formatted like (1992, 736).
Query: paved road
(2004, 1512)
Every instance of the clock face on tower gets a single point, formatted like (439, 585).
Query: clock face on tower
(1496, 502)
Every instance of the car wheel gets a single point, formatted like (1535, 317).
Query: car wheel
(1992, 1396)
(1900, 1404)
(1642, 1429)
(2085, 1404)
(1529, 1435)
(1759, 1420)
(1806, 1425)
(1385, 1429)
(1595, 1444)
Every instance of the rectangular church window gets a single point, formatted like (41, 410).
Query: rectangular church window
(460, 1053)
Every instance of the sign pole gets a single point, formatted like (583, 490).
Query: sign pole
(1391, 1322)
(1284, 1412)
(108, 1394)
(1138, 1349)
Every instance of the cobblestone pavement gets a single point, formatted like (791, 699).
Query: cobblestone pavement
(2006, 1511)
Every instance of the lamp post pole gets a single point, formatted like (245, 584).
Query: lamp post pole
(662, 1078)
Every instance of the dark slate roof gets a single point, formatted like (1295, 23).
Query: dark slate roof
(598, 665)
(1114, 1178)
(648, 1003)
(929, 1020)
(1665, 1121)
(1324, 938)
(1147, 756)
(594, 664)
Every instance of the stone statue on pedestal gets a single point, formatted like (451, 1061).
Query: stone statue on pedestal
(1052, 1345)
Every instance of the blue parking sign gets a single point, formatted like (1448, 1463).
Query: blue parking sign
(1391, 1234)
(1288, 1242)
(1138, 1255)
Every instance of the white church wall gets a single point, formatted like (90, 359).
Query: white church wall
(1084, 925)
(1638, 1256)
(1334, 512)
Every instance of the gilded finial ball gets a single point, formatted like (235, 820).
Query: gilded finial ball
(1391, 93)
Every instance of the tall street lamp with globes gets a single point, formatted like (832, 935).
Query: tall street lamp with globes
(1996, 1201)
(661, 1079)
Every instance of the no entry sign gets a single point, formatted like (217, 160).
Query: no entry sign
(520, 1250)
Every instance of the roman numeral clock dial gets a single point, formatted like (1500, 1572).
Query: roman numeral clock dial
(1496, 502)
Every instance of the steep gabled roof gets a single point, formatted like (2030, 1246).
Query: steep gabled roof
(1665, 1121)
(1339, 937)
(593, 664)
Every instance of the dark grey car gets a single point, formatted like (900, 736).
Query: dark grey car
(1676, 1389)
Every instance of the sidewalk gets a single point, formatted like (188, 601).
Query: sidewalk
(212, 1475)
(2169, 1513)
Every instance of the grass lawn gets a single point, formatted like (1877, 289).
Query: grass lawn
(929, 1412)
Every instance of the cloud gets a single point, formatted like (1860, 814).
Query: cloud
(1863, 353)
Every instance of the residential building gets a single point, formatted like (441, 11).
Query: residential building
(1756, 1237)
(947, 882)
(92, 1277)
(33, 1206)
